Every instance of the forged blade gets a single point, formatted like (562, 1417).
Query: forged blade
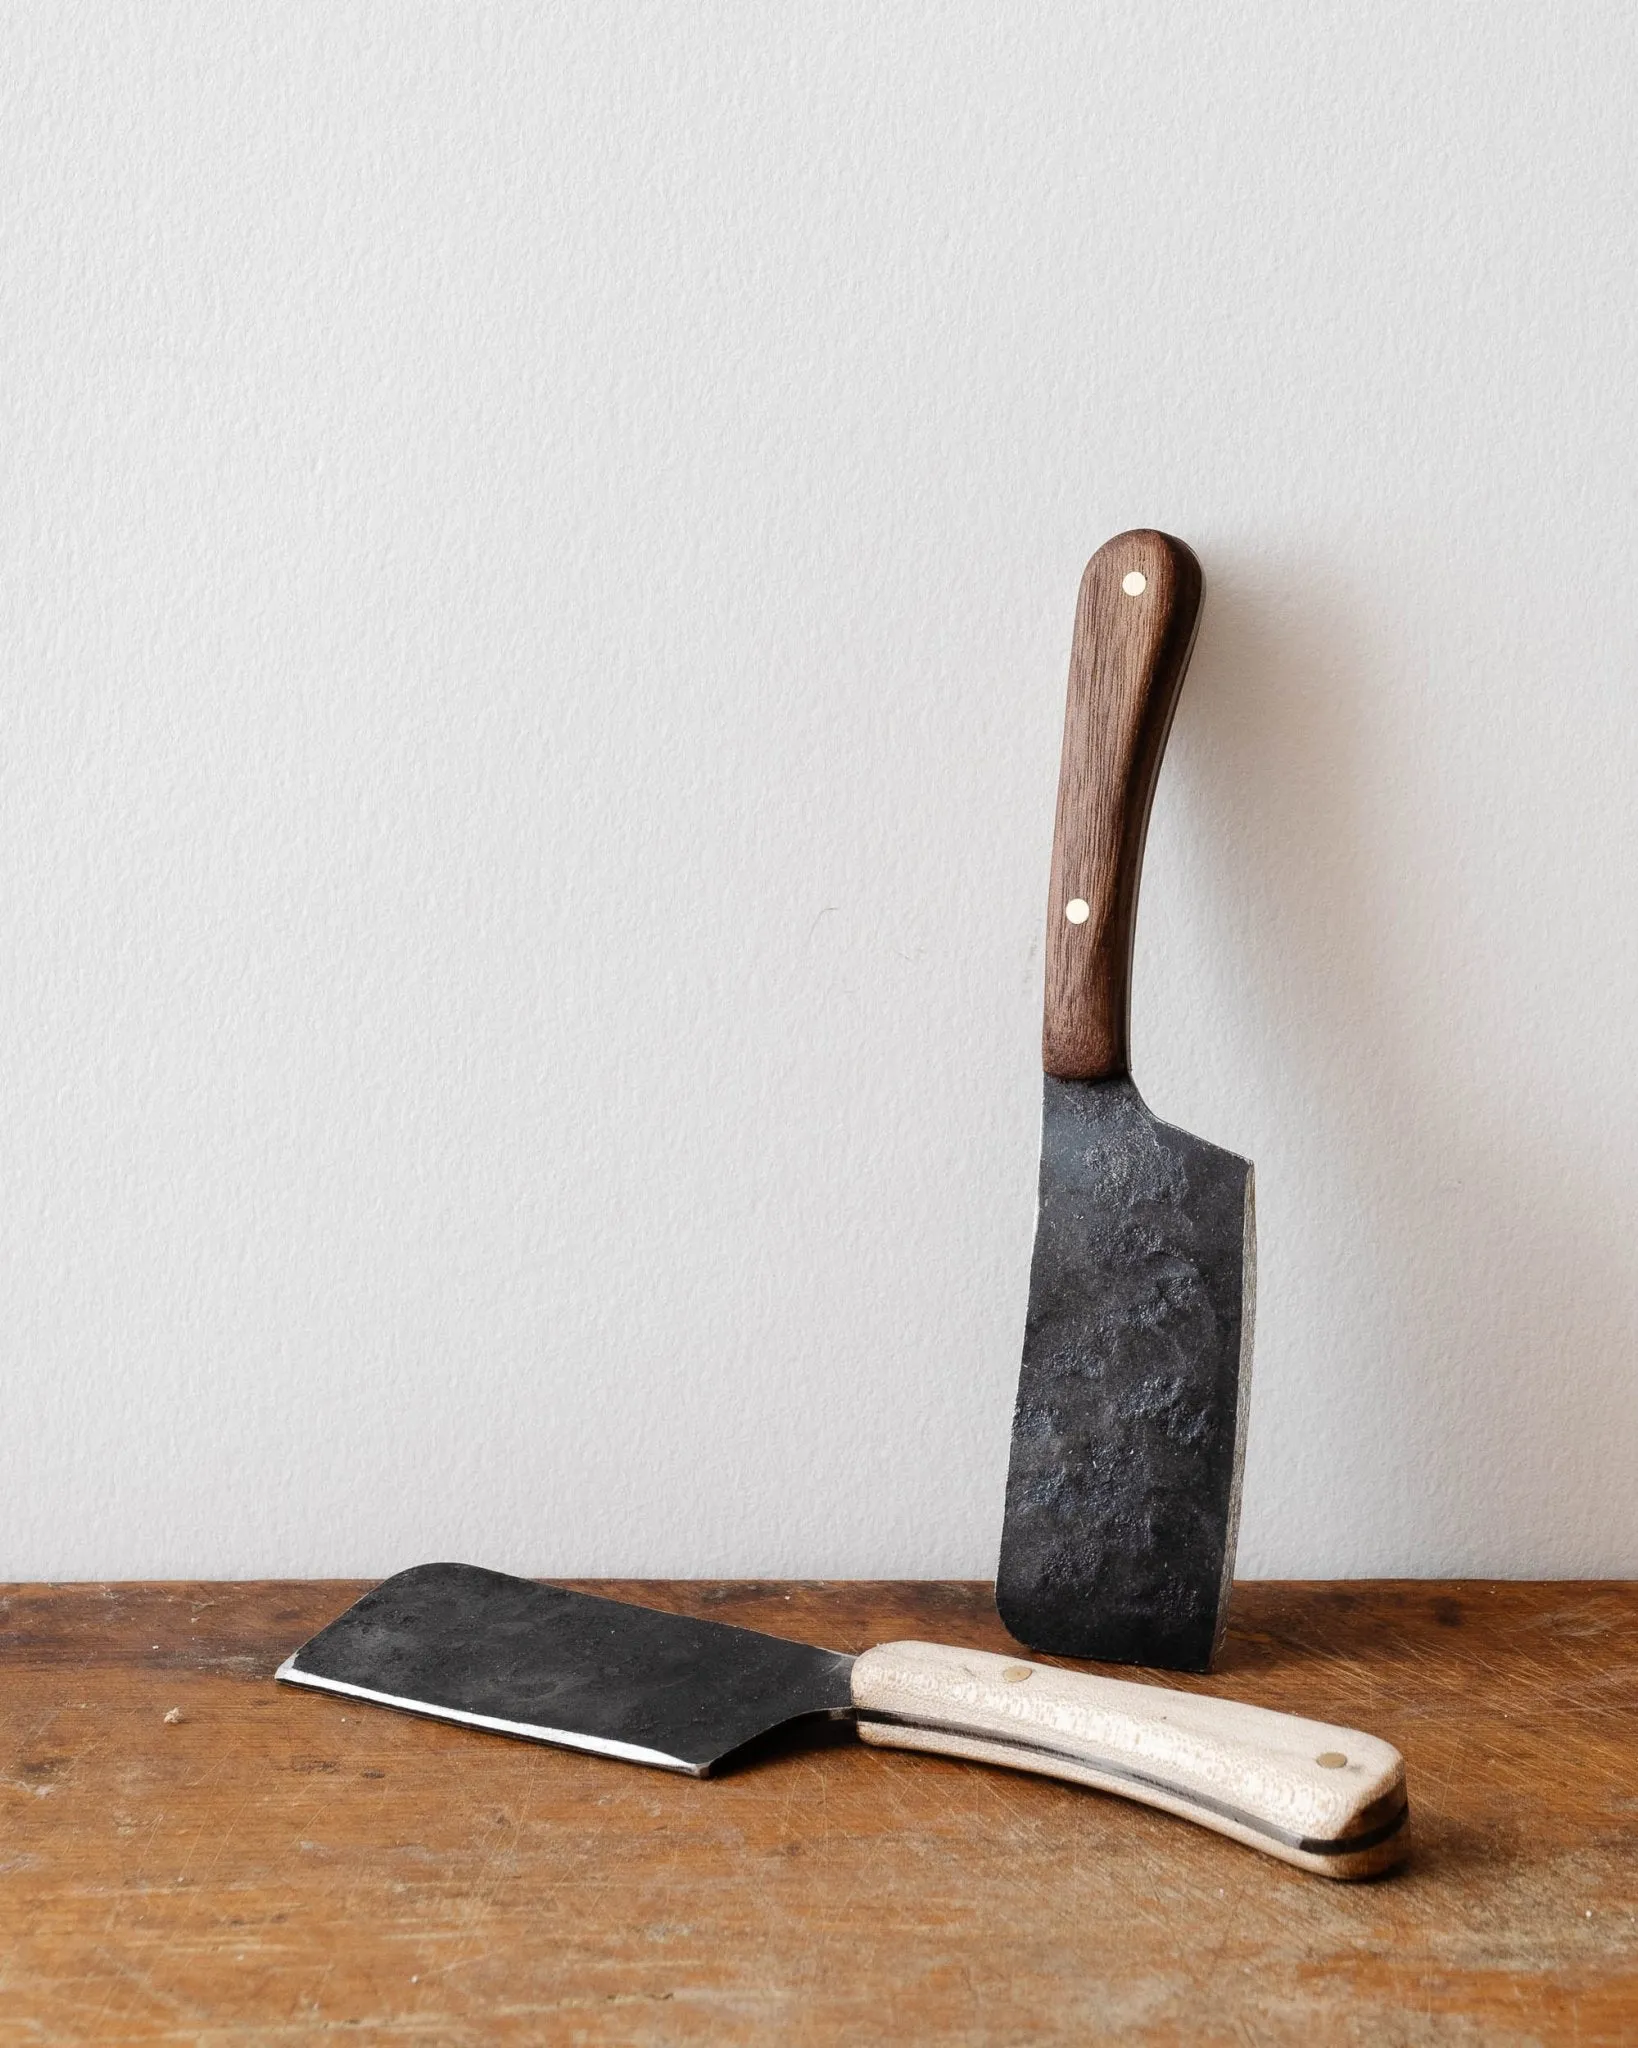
(1128, 1439)
(462, 1644)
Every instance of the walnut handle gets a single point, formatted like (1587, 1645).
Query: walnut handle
(1328, 1800)
(1134, 627)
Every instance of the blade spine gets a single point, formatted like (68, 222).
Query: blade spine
(575, 1591)
(733, 1628)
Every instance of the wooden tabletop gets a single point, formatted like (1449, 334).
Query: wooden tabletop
(192, 1854)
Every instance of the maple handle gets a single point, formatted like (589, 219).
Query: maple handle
(1329, 1800)
(1134, 627)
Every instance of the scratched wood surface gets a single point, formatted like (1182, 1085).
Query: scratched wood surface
(191, 1854)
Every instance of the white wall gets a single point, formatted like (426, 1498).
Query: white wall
(539, 553)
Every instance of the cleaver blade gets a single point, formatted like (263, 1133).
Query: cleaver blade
(1128, 1436)
(515, 1657)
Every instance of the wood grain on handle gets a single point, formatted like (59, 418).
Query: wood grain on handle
(1330, 1800)
(1134, 626)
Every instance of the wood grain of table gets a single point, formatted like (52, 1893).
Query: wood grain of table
(192, 1854)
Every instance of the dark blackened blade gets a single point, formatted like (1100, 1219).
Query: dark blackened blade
(1124, 1489)
(519, 1658)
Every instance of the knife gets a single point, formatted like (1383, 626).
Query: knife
(1123, 1489)
(490, 1651)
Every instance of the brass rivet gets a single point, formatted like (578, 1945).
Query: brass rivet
(1015, 1674)
(1134, 583)
(1332, 1759)
(1077, 910)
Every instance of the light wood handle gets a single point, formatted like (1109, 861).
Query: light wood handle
(1330, 1800)
(1134, 627)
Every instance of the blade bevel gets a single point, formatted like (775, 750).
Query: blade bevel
(559, 1738)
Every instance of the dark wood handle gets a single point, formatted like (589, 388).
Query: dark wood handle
(1134, 626)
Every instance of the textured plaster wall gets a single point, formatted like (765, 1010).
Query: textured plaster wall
(539, 547)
